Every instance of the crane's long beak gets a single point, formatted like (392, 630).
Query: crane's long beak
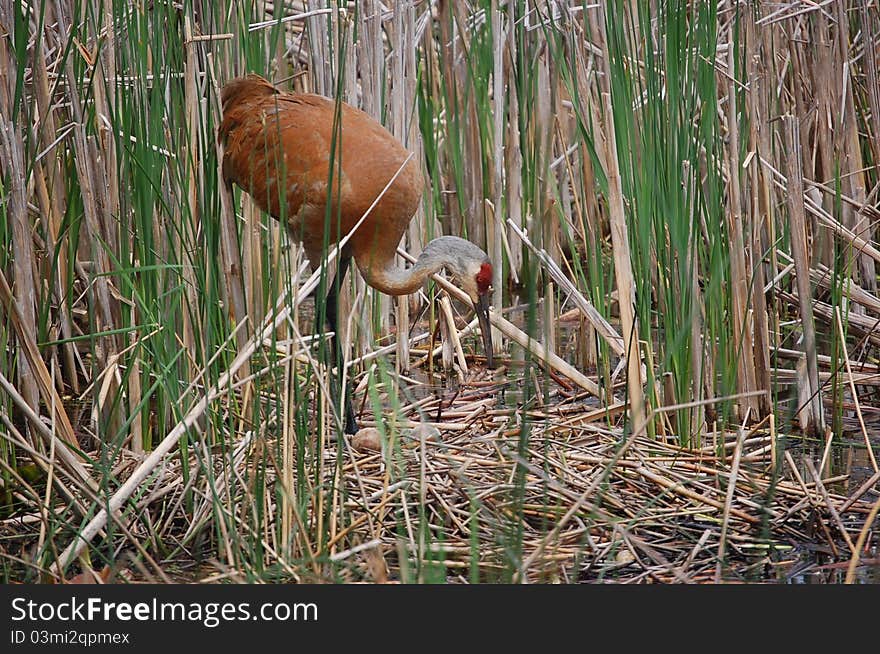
(481, 306)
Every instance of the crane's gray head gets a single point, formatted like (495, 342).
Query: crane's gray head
(471, 268)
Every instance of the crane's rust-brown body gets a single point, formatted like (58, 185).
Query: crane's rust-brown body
(273, 138)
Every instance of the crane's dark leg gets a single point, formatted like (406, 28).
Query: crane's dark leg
(331, 310)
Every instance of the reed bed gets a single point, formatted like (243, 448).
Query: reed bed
(590, 507)
(680, 199)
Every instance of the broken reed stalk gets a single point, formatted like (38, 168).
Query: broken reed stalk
(231, 254)
(12, 161)
(399, 128)
(48, 176)
(545, 209)
(797, 221)
(513, 160)
(852, 169)
(621, 253)
(761, 218)
(739, 267)
(495, 228)
(25, 292)
(626, 290)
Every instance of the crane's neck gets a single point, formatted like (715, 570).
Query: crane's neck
(383, 273)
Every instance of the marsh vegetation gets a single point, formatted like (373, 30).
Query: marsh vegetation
(680, 199)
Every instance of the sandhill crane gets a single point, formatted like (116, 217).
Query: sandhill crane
(279, 147)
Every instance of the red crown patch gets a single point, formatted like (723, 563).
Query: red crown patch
(484, 277)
